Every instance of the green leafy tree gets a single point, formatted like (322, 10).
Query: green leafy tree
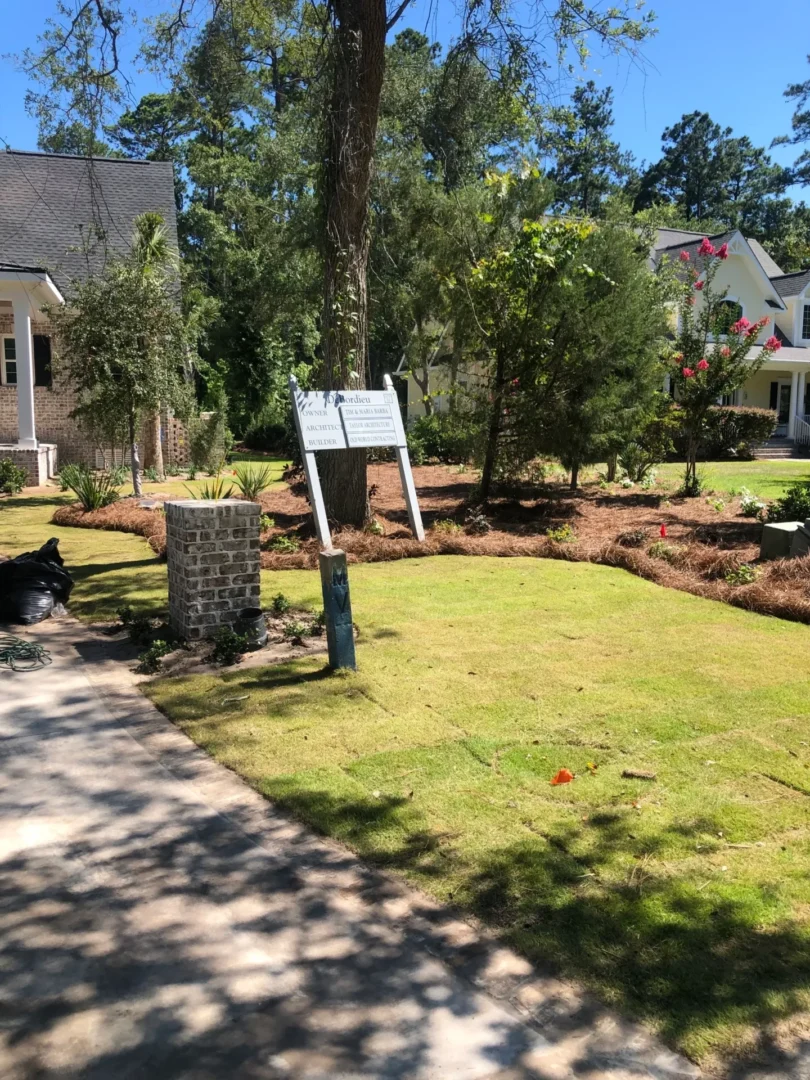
(588, 163)
(713, 357)
(123, 349)
(605, 353)
(519, 294)
(711, 175)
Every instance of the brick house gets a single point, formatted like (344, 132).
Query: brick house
(61, 218)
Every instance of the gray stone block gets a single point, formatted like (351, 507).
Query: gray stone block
(800, 544)
(212, 550)
(777, 539)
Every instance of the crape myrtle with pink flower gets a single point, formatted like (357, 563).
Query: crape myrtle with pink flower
(710, 358)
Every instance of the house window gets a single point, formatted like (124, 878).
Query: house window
(806, 321)
(42, 360)
(9, 362)
(728, 312)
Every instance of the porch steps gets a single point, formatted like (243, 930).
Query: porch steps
(779, 447)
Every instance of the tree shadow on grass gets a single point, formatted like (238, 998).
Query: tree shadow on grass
(695, 963)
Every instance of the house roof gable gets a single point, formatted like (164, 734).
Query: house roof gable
(732, 237)
(67, 214)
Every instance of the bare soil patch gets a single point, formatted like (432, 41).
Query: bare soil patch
(612, 526)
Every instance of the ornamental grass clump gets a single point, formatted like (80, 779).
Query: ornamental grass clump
(251, 482)
(93, 490)
(713, 349)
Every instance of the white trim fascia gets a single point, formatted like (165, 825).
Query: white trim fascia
(25, 277)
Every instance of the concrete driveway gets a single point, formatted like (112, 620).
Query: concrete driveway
(159, 919)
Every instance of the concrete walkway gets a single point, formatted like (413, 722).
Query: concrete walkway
(159, 919)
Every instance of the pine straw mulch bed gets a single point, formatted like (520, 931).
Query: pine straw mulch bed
(613, 527)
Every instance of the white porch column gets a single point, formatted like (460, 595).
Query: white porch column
(794, 404)
(802, 391)
(26, 426)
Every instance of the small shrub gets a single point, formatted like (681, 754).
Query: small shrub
(149, 661)
(68, 473)
(212, 490)
(93, 490)
(562, 534)
(12, 477)
(120, 474)
(319, 626)
(266, 522)
(476, 523)
(626, 482)
(693, 488)
(280, 605)
(295, 632)
(151, 474)
(191, 473)
(229, 647)
(636, 461)
(210, 440)
(634, 538)
(285, 545)
(446, 525)
(649, 480)
(446, 437)
(750, 504)
(743, 575)
(140, 630)
(375, 528)
(662, 550)
(125, 615)
(794, 504)
(251, 482)
(716, 504)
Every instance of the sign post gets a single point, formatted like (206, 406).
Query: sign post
(343, 420)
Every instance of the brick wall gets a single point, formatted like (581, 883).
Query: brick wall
(212, 550)
(52, 409)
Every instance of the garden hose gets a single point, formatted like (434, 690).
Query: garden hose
(21, 655)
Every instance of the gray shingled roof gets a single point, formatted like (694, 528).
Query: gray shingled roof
(692, 245)
(50, 202)
(771, 268)
(791, 284)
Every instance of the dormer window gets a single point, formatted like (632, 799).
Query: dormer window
(728, 312)
(806, 321)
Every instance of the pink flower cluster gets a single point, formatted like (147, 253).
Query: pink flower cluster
(706, 247)
(773, 343)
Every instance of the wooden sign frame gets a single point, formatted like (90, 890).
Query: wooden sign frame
(344, 419)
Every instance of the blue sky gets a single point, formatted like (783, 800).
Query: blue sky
(731, 58)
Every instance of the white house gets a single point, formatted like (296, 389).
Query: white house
(757, 287)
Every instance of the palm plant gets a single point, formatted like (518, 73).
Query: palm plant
(251, 482)
(211, 489)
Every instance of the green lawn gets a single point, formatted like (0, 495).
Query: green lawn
(684, 901)
(768, 479)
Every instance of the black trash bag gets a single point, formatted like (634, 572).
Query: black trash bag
(33, 584)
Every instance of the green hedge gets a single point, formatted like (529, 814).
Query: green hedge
(445, 437)
(732, 431)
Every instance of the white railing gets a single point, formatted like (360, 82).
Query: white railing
(801, 434)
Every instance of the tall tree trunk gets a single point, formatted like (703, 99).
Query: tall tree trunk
(358, 64)
(424, 386)
(153, 450)
(574, 475)
(134, 459)
(494, 433)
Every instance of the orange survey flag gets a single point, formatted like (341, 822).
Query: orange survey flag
(562, 777)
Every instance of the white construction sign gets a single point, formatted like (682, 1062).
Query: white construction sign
(345, 420)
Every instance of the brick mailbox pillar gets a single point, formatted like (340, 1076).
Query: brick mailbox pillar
(212, 548)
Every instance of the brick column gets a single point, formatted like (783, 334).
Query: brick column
(212, 548)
